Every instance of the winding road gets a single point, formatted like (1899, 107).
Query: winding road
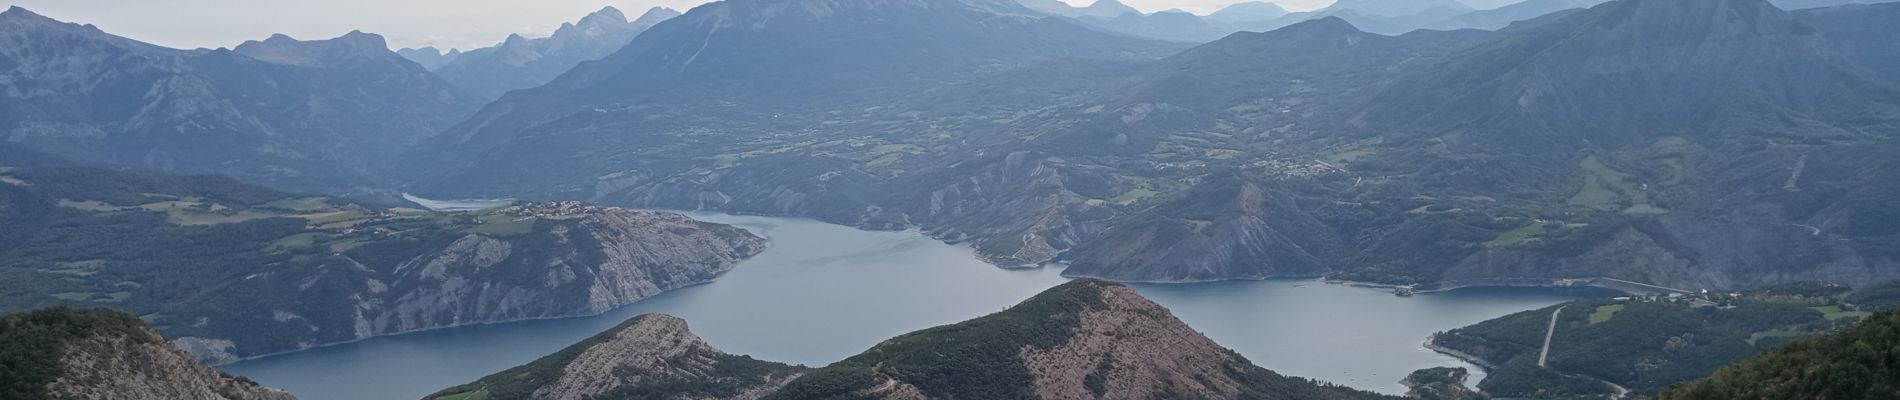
(1551, 332)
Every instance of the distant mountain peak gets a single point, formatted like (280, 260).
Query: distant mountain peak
(608, 12)
(353, 47)
(363, 39)
(1250, 11)
(1108, 9)
(514, 39)
(1718, 18)
(20, 12)
(1396, 8)
(606, 16)
(1333, 25)
(654, 16)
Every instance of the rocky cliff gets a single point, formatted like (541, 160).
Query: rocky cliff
(575, 264)
(69, 354)
(651, 356)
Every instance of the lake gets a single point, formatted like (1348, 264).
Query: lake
(825, 292)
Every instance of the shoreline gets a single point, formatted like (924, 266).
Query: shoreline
(1431, 343)
(433, 329)
(1607, 283)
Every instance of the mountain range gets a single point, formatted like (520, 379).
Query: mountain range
(317, 114)
(521, 63)
(1437, 157)
(1386, 17)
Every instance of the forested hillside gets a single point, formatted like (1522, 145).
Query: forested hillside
(1860, 363)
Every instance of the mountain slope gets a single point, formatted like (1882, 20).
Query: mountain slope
(754, 69)
(1084, 339)
(231, 270)
(63, 353)
(1857, 364)
(1730, 61)
(315, 114)
(1498, 18)
(1226, 228)
(1171, 25)
(1244, 12)
(521, 63)
(650, 356)
(1862, 33)
(1646, 345)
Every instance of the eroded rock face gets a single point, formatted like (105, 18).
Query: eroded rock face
(573, 264)
(1133, 348)
(71, 354)
(651, 356)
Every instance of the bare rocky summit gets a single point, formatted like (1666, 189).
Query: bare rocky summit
(651, 356)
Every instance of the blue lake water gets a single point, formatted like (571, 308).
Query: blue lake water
(824, 292)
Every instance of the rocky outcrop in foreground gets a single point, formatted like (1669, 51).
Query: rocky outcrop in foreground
(1086, 339)
(73, 354)
(651, 356)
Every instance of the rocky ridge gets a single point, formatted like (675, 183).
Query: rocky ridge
(71, 354)
(652, 356)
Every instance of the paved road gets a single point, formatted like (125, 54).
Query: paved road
(1545, 355)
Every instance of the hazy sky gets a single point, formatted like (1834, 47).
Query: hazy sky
(407, 23)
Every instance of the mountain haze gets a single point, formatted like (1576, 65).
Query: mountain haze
(521, 63)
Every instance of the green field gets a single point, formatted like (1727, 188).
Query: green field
(1605, 313)
(502, 225)
(88, 205)
(335, 216)
(1519, 235)
(302, 204)
(297, 241)
(1602, 186)
(1133, 195)
(475, 395)
(1778, 333)
(1835, 312)
(1607, 189)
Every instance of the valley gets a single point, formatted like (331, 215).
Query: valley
(854, 198)
(822, 292)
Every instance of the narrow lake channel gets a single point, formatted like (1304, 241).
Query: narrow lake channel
(824, 292)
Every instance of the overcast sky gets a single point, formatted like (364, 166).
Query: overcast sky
(407, 23)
